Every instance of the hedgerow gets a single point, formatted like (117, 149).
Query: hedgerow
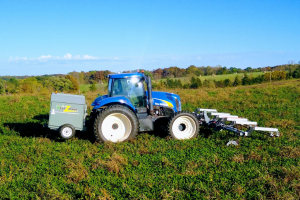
(197, 83)
(38, 84)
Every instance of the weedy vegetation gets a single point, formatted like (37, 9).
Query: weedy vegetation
(231, 77)
(35, 164)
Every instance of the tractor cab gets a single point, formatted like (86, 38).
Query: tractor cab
(131, 86)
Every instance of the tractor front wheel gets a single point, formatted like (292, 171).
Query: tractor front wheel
(183, 125)
(116, 124)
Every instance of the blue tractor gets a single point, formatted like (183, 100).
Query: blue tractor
(128, 109)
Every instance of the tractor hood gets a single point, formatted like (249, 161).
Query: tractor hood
(166, 99)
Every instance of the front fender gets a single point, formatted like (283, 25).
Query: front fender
(118, 99)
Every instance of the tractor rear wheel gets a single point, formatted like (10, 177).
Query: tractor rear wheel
(116, 124)
(183, 125)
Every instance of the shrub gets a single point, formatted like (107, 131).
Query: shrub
(237, 81)
(246, 80)
(30, 85)
(227, 83)
(57, 83)
(296, 73)
(276, 75)
(206, 83)
(14, 81)
(75, 86)
(195, 83)
(2, 86)
(93, 87)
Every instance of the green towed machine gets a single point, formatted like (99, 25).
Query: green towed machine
(67, 114)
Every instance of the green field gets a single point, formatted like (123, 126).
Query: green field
(218, 77)
(35, 164)
(86, 87)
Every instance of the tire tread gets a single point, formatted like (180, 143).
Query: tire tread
(175, 115)
(103, 113)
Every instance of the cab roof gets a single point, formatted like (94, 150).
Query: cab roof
(126, 75)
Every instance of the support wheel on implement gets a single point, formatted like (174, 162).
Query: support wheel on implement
(116, 124)
(183, 125)
(66, 131)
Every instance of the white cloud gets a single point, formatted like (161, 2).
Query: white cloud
(87, 57)
(44, 57)
(20, 58)
(17, 59)
(68, 56)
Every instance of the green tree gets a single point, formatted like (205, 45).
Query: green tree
(30, 85)
(296, 73)
(206, 83)
(224, 70)
(14, 81)
(170, 83)
(93, 87)
(179, 84)
(194, 83)
(75, 86)
(246, 80)
(193, 70)
(208, 71)
(237, 81)
(248, 69)
(219, 83)
(2, 86)
(227, 83)
(148, 73)
(58, 84)
(199, 83)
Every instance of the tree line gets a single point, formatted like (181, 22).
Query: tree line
(65, 83)
(195, 82)
(71, 82)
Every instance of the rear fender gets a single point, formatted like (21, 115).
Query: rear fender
(114, 100)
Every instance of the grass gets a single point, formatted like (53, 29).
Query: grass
(218, 77)
(35, 164)
(86, 87)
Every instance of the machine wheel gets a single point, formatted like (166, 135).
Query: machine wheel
(116, 124)
(183, 125)
(66, 131)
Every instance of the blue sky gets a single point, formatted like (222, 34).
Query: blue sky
(47, 37)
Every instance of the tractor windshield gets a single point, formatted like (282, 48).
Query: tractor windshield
(132, 88)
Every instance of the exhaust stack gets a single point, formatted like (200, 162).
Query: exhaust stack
(150, 100)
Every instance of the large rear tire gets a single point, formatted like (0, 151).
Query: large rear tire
(183, 125)
(116, 124)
